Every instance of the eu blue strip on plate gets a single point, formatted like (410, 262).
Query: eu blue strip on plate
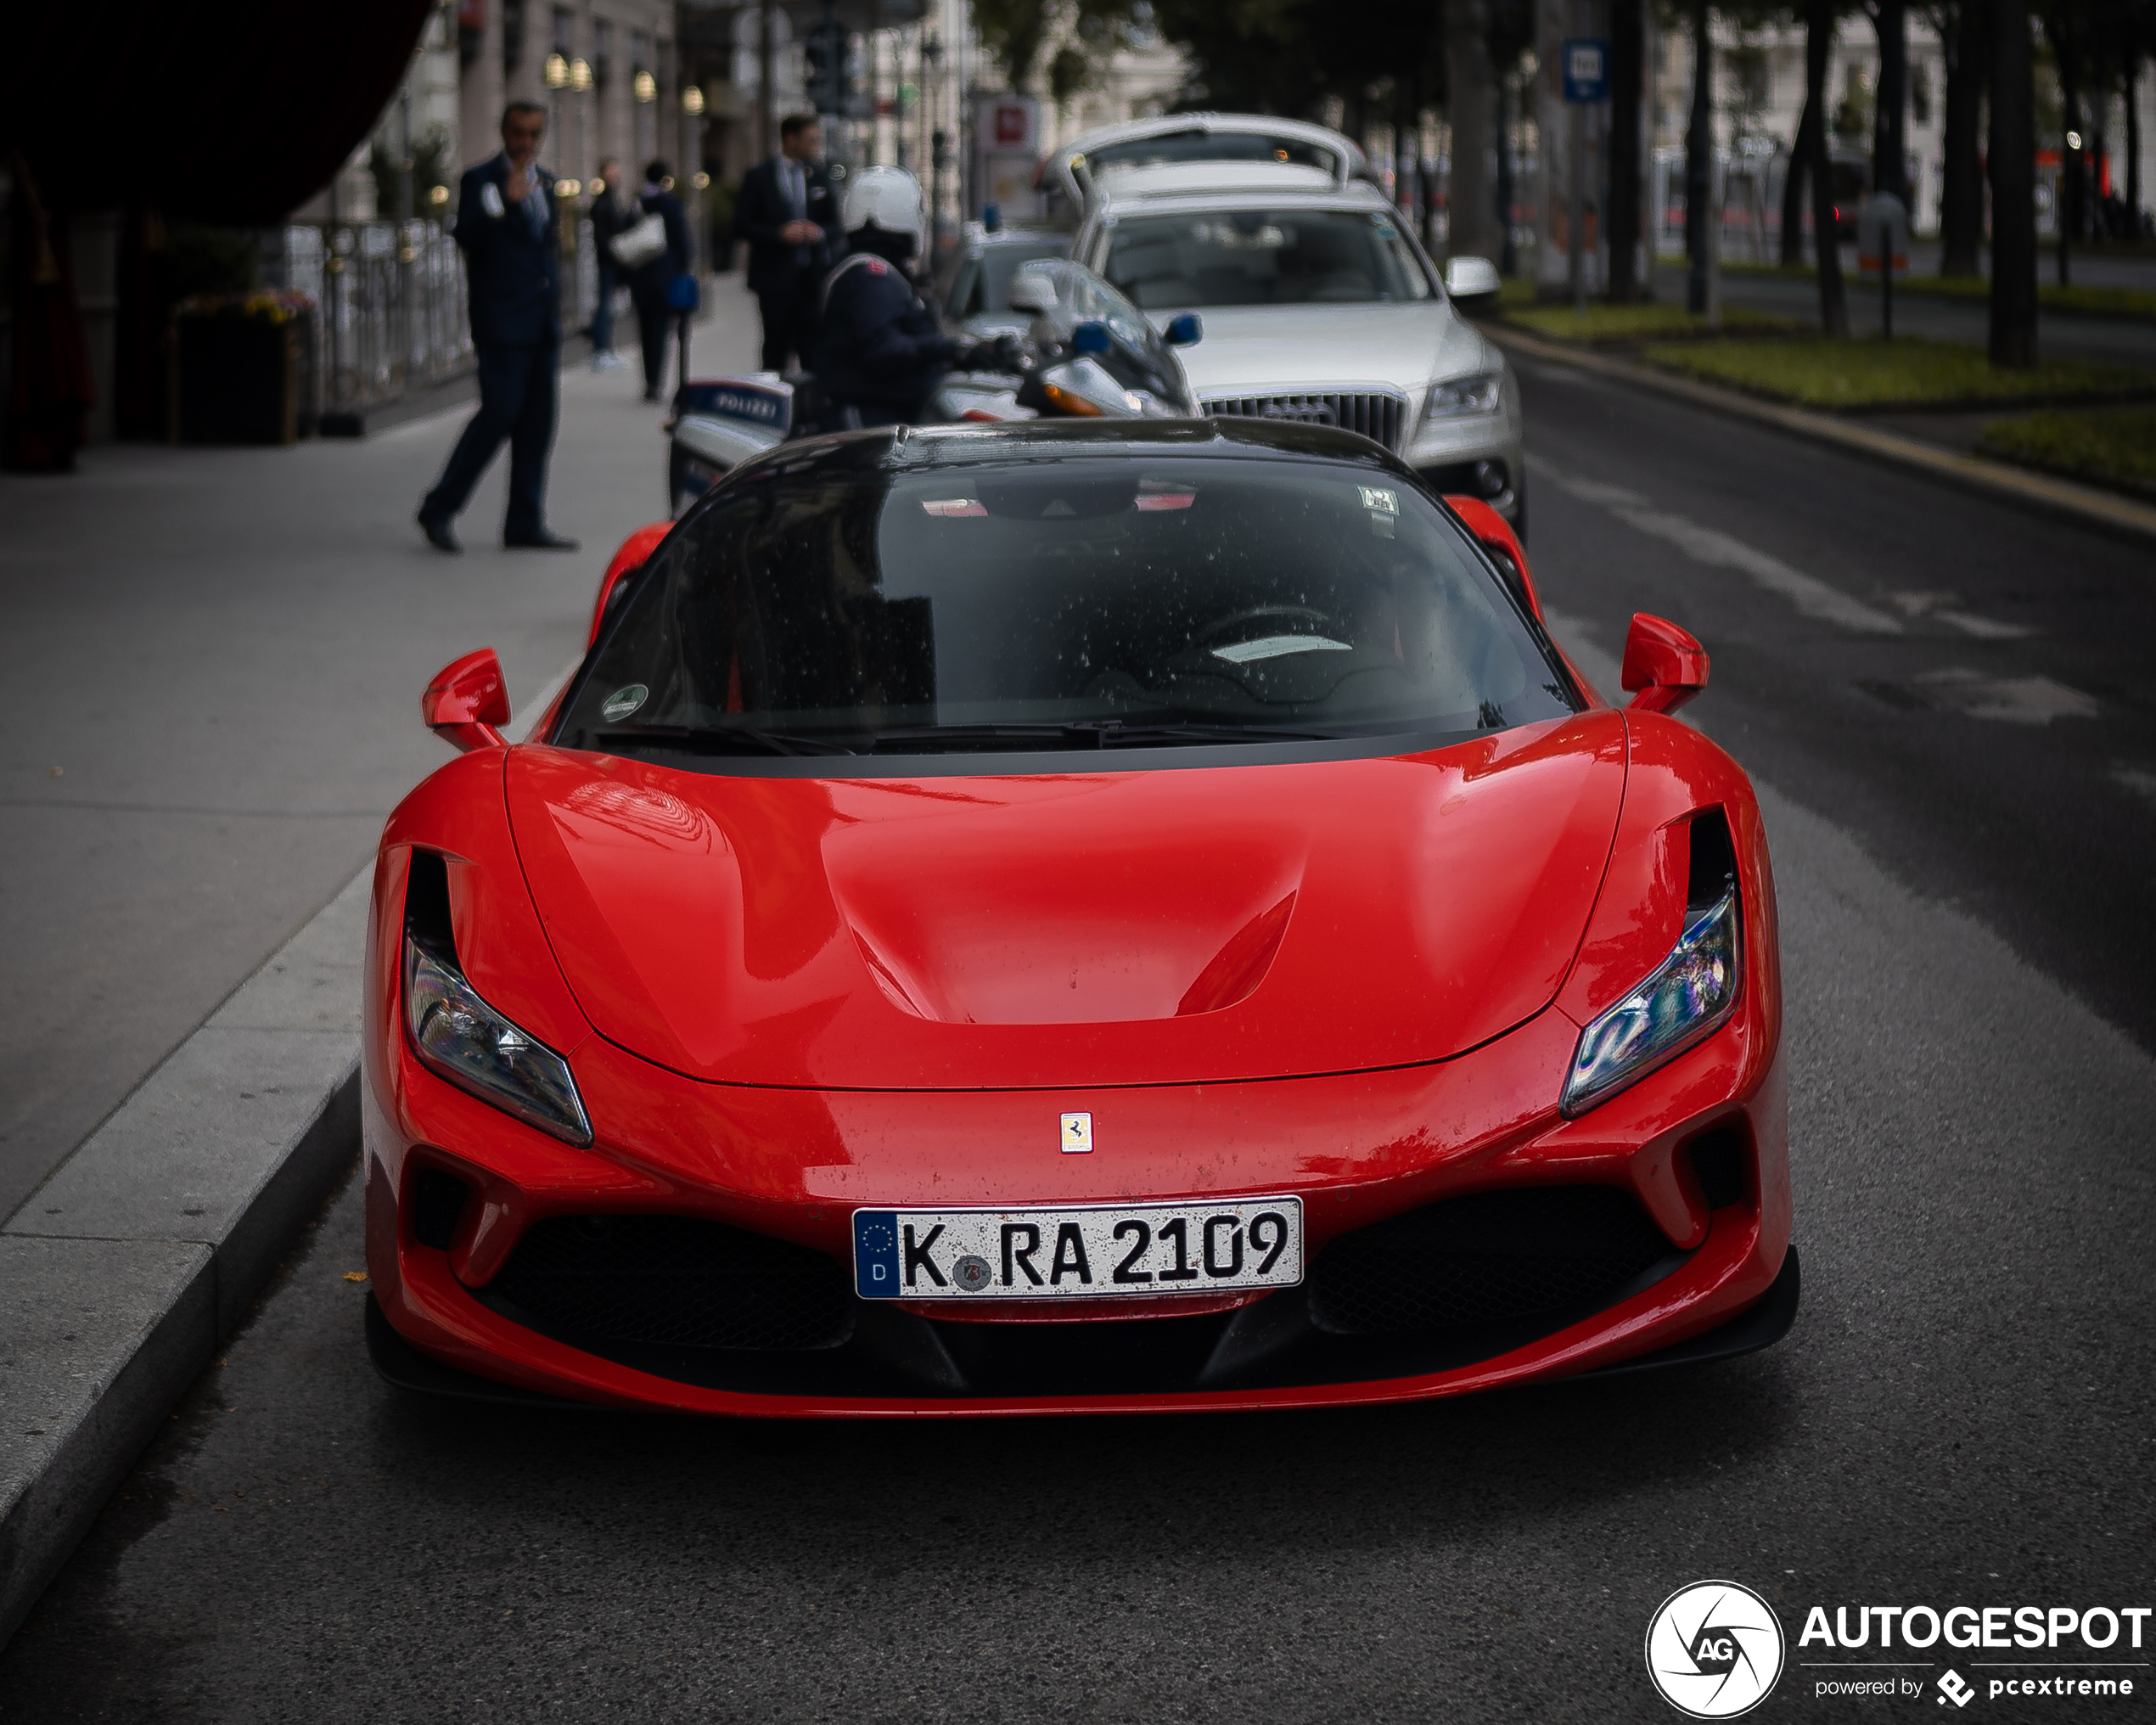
(875, 1253)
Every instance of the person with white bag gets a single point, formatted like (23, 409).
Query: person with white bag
(657, 255)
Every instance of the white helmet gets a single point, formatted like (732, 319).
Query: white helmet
(891, 199)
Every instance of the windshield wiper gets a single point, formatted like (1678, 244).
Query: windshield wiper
(719, 739)
(1095, 733)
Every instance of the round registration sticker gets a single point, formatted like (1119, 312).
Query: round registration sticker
(623, 702)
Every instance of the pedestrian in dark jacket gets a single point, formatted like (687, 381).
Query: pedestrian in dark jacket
(651, 286)
(506, 224)
(790, 215)
(611, 212)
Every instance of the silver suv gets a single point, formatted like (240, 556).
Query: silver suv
(1318, 305)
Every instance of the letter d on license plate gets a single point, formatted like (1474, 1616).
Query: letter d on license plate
(1071, 1251)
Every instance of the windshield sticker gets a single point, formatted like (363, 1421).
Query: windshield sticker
(623, 702)
(1278, 646)
(1155, 495)
(950, 508)
(1377, 498)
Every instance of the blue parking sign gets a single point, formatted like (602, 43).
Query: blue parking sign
(1586, 70)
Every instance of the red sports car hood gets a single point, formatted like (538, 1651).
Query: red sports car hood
(1086, 928)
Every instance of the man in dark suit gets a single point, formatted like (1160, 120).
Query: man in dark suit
(506, 224)
(652, 287)
(789, 216)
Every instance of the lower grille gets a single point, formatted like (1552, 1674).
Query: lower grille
(1492, 1258)
(1377, 414)
(674, 1282)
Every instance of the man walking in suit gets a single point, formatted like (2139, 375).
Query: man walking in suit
(506, 224)
(787, 213)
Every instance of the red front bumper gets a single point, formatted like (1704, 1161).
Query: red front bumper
(1357, 1149)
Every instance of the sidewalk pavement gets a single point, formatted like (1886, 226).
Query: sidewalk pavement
(211, 664)
(209, 669)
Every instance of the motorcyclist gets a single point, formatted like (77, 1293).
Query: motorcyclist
(882, 355)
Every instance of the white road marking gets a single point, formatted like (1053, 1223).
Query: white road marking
(2140, 780)
(1808, 594)
(1985, 628)
(2019, 700)
(1944, 606)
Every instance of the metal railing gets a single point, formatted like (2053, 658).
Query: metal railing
(390, 312)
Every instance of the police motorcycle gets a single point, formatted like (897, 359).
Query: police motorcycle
(1086, 353)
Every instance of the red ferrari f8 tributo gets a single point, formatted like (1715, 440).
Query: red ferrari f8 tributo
(1031, 917)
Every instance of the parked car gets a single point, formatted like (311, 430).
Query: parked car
(1319, 307)
(973, 284)
(1068, 176)
(1073, 918)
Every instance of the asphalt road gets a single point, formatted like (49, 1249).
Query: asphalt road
(1962, 1415)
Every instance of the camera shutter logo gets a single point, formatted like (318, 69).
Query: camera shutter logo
(1714, 1649)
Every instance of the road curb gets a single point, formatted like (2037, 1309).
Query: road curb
(140, 1254)
(2062, 499)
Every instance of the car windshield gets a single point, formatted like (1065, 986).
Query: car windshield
(982, 285)
(1196, 146)
(1092, 601)
(1264, 257)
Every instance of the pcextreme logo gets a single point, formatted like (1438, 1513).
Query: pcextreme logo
(1714, 1649)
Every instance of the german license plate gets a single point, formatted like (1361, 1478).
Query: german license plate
(1070, 1251)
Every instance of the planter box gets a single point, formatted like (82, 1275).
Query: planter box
(235, 379)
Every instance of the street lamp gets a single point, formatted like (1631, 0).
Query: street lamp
(646, 86)
(580, 75)
(692, 100)
(557, 73)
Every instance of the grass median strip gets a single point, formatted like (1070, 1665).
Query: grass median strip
(1654, 320)
(2112, 447)
(1857, 373)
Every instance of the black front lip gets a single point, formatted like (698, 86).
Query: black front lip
(1252, 1348)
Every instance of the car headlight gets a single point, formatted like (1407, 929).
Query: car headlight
(460, 1037)
(1457, 398)
(1690, 992)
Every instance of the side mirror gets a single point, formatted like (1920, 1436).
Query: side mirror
(1472, 278)
(1664, 664)
(467, 700)
(1495, 534)
(635, 550)
(1091, 337)
(1033, 292)
(1185, 329)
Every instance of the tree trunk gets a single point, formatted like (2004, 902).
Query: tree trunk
(1890, 103)
(2072, 206)
(2013, 188)
(1961, 198)
(1818, 44)
(2133, 141)
(1472, 231)
(1508, 254)
(1793, 183)
(1699, 160)
(1625, 69)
